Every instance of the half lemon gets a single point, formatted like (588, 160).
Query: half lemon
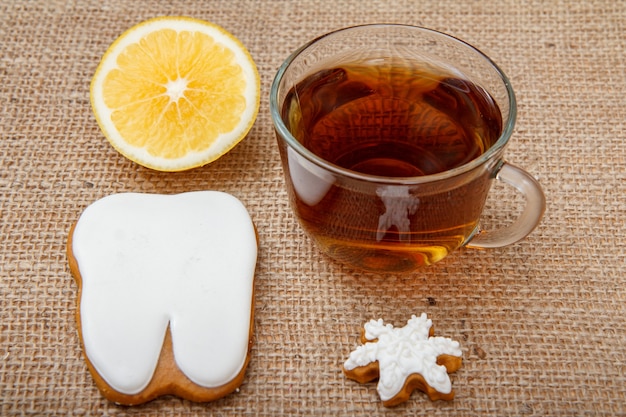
(175, 93)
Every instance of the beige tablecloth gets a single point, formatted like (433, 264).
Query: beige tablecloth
(542, 323)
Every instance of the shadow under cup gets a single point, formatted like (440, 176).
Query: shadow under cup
(390, 137)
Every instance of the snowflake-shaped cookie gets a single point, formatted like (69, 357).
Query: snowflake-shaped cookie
(404, 359)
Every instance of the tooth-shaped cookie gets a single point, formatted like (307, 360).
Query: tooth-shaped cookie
(166, 293)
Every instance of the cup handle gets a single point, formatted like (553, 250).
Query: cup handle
(527, 221)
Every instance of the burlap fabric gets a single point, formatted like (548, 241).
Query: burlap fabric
(542, 324)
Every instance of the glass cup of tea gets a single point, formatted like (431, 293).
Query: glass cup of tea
(390, 137)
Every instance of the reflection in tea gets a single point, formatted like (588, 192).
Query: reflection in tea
(395, 120)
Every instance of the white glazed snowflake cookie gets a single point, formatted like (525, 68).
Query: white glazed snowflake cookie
(404, 359)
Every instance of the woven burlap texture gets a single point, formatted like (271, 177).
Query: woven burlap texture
(541, 323)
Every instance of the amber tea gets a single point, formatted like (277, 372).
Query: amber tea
(392, 121)
(390, 137)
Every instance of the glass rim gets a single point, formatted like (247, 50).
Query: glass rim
(301, 150)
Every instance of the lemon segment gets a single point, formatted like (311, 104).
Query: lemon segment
(175, 93)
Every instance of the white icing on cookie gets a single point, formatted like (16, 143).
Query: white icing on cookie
(403, 351)
(149, 260)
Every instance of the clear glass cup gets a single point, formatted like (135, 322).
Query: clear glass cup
(360, 215)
